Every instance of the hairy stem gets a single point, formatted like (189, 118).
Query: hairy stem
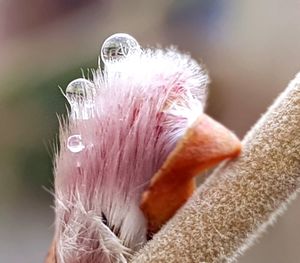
(242, 197)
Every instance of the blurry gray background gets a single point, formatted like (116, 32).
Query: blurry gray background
(251, 49)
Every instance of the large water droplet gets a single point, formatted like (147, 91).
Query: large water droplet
(119, 46)
(75, 144)
(80, 94)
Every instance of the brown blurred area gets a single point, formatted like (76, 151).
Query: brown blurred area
(249, 47)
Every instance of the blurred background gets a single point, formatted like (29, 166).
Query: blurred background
(251, 49)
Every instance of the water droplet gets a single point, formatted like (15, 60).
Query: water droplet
(75, 144)
(80, 89)
(119, 46)
(80, 94)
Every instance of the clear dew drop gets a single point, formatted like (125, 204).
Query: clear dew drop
(75, 144)
(80, 94)
(79, 89)
(118, 47)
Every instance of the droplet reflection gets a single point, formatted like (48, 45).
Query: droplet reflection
(80, 94)
(79, 89)
(119, 46)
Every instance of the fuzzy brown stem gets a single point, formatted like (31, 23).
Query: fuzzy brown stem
(242, 197)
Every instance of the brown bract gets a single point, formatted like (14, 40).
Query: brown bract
(51, 257)
(230, 211)
(205, 144)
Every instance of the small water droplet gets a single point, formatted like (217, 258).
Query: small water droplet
(119, 46)
(79, 89)
(80, 94)
(75, 144)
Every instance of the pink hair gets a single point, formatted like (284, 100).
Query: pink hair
(141, 106)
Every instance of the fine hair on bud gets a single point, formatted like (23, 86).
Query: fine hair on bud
(122, 125)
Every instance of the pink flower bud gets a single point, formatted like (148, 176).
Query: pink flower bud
(121, 128)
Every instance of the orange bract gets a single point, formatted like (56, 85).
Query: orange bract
(51, 256)
(205, 143)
